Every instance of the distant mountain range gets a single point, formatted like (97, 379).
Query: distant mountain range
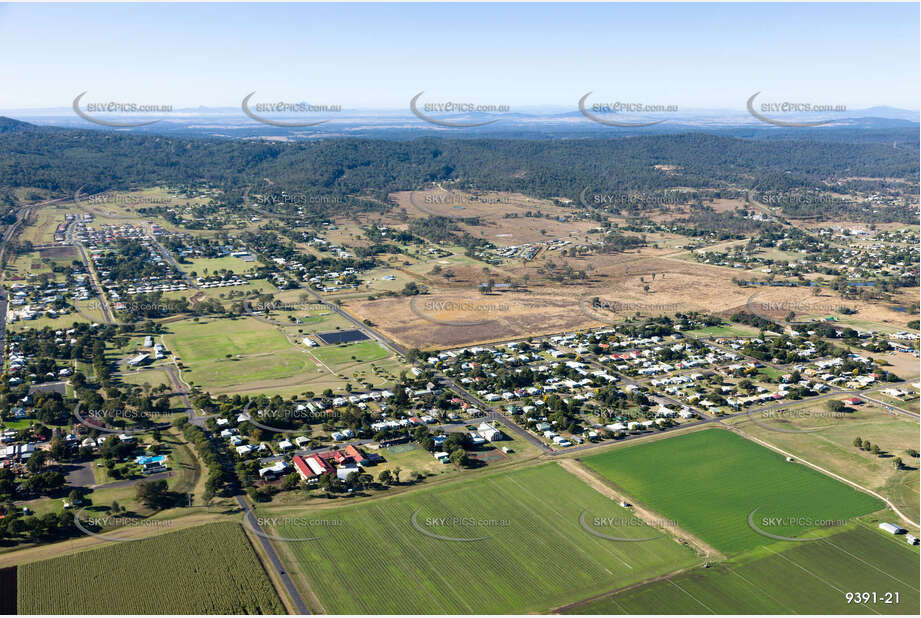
(532, 122)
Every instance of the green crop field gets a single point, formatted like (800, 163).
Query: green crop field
(808, 578)
(204, 266)
(833, 447)
(536, 554)
(363, 352)
(710, 482)
(208, 339)
(209, 569)
(257, 352)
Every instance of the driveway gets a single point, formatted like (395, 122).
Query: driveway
(80, 474)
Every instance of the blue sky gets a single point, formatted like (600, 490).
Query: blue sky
(375, 56)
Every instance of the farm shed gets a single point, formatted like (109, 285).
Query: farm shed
(891, 528)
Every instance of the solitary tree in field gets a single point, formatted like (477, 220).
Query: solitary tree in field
(898, 463)
(459, 457)
(152, 494)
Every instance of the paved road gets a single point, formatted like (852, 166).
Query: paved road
(314, 450)
(180, 389)
(8, 235)
(21, 215)
(129, 482)
(293, 592)
(4, 304)
(196, 419)
(49, 387)
(367, 330)
(492, 414)
(720, 419)
(628, 380)
(253, 523)
(169, 258)
(81, 474)
(91, 271)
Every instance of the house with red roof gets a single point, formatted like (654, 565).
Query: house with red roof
(311, 466)
(317, 464)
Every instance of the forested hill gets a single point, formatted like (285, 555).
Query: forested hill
(63, 160)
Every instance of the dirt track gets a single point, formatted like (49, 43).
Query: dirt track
(652, 518)
(82, 543)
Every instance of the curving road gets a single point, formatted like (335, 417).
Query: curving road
(292, 590)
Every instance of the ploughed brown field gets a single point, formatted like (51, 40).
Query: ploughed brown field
(653, 280)
(625, 284)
